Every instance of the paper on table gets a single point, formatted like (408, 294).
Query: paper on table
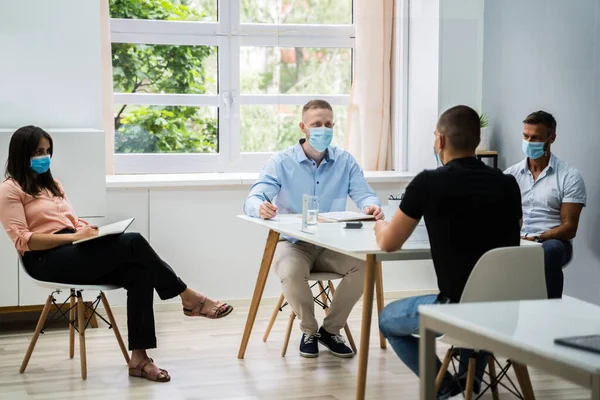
(342, 216)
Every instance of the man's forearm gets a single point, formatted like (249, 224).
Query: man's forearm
(562, 232)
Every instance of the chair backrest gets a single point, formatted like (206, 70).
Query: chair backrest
(507, 274)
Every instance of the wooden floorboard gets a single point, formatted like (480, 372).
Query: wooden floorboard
(200, 355)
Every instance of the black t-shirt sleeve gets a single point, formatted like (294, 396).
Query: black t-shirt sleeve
(415, 197)
(514, 196)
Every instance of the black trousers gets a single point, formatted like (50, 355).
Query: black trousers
(127, 260)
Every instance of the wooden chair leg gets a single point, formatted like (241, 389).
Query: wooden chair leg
(350, 339)
(524, 380)
(380, 301)
(71, 327)
(444, 369)
(90, 315)
(36, 333)
(470, 378)
(493, 376)
(288, 333)
(346, 327)
(273, 317)
(81, 328)
(115, 328)
(323, 297)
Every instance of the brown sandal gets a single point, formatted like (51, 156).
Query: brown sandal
(215, 313)
(138, 372)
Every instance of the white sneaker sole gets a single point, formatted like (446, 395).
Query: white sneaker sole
(309, 355)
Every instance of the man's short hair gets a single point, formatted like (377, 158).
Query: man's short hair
(316, 104)
(543, 118)
(460, 124)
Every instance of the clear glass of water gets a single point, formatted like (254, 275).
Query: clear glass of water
(313, 211)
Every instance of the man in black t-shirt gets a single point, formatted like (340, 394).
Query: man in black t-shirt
(469, 209)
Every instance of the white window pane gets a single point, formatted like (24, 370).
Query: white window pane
(166, 129)
(338, 12)
(295, 70)
(166, 10)
(149, 68)
(270, 128)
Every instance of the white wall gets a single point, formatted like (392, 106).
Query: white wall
(445, 68)
(50, 76)
(545, 54)
(50, 64)
(461, 53)
(196, 231)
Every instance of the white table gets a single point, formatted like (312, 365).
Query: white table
(358, 243)
(523, 331)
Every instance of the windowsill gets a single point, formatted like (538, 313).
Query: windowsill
(158, 181)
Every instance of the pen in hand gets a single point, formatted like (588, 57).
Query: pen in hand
(267, 198)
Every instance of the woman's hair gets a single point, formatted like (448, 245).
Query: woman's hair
(23, 146)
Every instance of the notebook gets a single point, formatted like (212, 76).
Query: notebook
(110, 229)
(587, 343)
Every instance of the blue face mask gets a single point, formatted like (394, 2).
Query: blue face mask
(320, 138)
(437, 158)
(533, 150)
(41, 164)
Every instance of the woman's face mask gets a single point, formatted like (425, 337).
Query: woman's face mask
(41, 164)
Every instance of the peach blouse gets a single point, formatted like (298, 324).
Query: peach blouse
(22, 215)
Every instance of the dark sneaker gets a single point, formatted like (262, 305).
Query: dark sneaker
(335, 343)
(309, 347)
(455, 391)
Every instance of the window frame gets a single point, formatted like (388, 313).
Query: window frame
(229, 35)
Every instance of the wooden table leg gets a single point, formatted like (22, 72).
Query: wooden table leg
(524, 380)
(259, 288)
(380, 302)
(365, 331)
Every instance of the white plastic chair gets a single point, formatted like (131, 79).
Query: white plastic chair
(75, 311)
(322, 299)
(503, 274)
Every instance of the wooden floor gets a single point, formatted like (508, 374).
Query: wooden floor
(200, 355)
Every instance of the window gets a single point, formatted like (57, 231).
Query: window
(218, 85)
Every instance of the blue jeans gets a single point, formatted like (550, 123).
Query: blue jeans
(400, 320)
(557, 253)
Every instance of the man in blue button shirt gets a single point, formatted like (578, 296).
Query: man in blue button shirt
(315, 168)
(553, 196)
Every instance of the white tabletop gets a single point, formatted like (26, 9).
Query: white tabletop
(354, 242)
(526, 329)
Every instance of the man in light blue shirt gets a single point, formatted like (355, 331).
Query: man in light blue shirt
(553, 196)
(315, 168)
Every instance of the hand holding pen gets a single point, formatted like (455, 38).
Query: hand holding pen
(267, 210)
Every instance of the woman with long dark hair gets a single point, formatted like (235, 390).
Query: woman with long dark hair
(38, 217)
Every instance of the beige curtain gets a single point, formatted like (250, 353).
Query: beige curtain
(369, 136)
(107, 87)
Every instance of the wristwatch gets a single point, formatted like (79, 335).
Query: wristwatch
(537, 239)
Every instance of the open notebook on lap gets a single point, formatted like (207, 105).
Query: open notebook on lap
(110, 229)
